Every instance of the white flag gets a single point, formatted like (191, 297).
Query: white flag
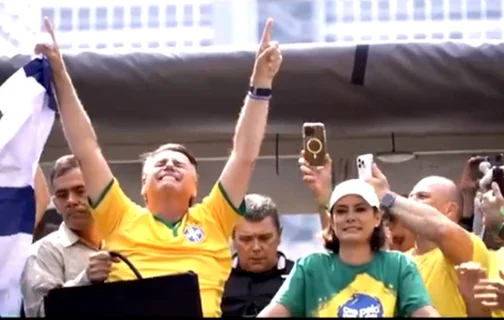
(27, 113)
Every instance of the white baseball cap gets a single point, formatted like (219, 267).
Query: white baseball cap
(356, 187)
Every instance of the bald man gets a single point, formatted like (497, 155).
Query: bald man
(432, 213)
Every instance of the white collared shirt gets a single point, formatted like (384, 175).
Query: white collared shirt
(57, 260)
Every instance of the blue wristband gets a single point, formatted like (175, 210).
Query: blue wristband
(256, 97)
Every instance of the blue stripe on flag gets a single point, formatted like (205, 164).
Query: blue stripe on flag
(40, 69)
(17, 210)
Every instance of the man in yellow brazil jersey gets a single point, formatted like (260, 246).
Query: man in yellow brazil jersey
(170, 235)
(482, 287)
(432, 213)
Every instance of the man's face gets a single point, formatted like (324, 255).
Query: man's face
(257, 244)
(169, 171)
(436, 193)
(71, 200)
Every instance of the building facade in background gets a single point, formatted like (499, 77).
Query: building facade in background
(155, 25)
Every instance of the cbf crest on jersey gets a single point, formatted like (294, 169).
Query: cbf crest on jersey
(361, 306)
(194, 234)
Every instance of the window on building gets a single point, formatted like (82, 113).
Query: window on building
(65, 46)
(474, 11)
(330, 11)
(366, 10)
(153, 17)
(84, 46)
(493, 9)
(206, 43)
(83, 19)
(66, 21)
(153, 44)
(348, 12)
(206, 15)
(437, 10)
(118, 18)
(455, 10)
(383, 10)
(136, 17)
(101, 18)
(188, 18)
(401, 13)
(46, 12)
(170, 16)
(419, 10)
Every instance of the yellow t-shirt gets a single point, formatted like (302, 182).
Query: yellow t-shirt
(496, 261)
(199, 242)
(440, 278)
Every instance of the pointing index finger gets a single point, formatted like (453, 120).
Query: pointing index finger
(266, 36)
(49, 28)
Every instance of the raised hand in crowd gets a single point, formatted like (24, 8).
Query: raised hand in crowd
(490, 292)
(469, 274)
(469, 184)
(51, 50)
(319, 181)
(100, 265)
(492, 205)
(268, 59)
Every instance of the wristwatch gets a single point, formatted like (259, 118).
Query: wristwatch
(260, 92)
(387, 202)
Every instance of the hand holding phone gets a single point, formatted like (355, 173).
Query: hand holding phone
(364, 166)
(314, 143)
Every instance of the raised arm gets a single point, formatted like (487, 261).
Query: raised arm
(77, 127)
(42, 195)
(456, 243)
(319, 181)
(251, 125)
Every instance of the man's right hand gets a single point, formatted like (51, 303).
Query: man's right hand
(100, 264)
(317, 178)
(491, 206)
(469, 274)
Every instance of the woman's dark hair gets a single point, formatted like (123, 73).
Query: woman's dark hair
(377, 242)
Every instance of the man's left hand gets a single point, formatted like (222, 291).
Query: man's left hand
(268, 59)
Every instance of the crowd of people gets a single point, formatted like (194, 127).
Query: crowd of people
(386, 255)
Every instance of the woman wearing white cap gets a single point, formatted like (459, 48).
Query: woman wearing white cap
(356, 277)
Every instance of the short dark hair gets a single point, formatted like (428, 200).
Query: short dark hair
(62, 165)
(258, 207)
(169, 147)
(377, 241)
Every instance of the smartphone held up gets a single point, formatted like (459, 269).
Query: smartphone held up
(314, 143)
(364, 166)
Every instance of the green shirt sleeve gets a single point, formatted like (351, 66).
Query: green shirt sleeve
(412, 293)
(292, 292)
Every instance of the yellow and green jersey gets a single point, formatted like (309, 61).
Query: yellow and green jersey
(321, 285)
(198, 242)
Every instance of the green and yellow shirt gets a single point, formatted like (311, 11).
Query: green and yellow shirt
(321, 285)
